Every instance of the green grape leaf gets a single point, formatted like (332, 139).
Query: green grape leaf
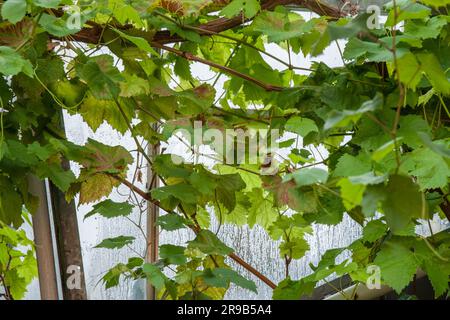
(184, 192)
(62, 26)
(436, 3)
(42, 152)
(352, 194)
(410, 128)
(407, 10)
(49, 4)
(12, 63)
(374, 230)
(277, 26)
(154, 275)
(372, 51)
(196, 100)
(96, 111)
(141, 43)
(409, 70)
(203, 182)
(345, 117)
(14, 10)
(368, 178)
(262, 211)
(172, 254)
(330, 209)
(295, 248)
(425, 29)
(249, 7)
(349, 165)
(115, 243)
(397, 263)
(110, 209)
(383, 151)
(171, 222)
(441, 147)
(125, 13)
(430, 168)
(10, 203)
(60, 177)
(438, 272)
(4, 256)
(28, 269)
(301, 126)
(227, 186)
(112, 277)
(434, 72)
(403, 201)
(307, 176)
(292, 290)
(101, 76)
(16, 284)
(134, 262)
(347, 28)
(208, 243)
(164, 166)
(221, 278)
(133, 86)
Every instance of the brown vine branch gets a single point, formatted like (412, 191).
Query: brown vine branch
(252, 270)
(94, 33)
(189, 56)
(237, 40)
(233, 256)
(7, 295)
(445, 207)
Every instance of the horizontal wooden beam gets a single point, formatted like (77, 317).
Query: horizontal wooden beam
(94, 32)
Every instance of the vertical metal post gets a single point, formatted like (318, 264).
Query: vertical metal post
(42, 230)
(68, 240)
(152, 216)
(152, 210)
(68, 243)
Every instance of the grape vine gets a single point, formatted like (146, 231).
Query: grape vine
(382, 118)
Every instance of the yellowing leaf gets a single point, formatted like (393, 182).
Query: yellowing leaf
(96, 187)
(133, 86)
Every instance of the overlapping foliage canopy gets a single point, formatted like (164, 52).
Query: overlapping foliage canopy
(382, 117)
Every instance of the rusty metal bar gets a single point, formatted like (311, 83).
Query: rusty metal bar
(152, 216)
(67, 240)
(68, 243)
(48, 283)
